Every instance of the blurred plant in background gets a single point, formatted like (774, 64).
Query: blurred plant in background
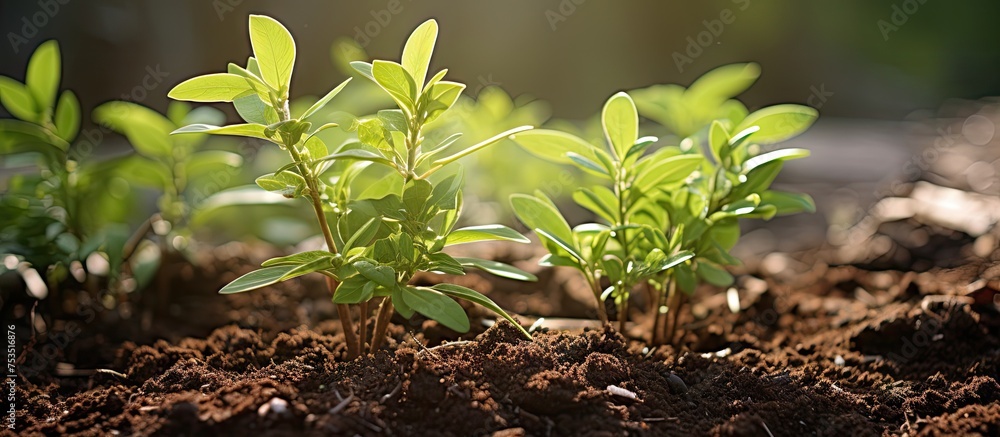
(64, 207)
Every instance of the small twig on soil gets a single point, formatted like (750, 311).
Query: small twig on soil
(661, 419)
(88, 372)
(389, 395)
(766, 428)
(422, 347)
(343, 403)
(448, 345)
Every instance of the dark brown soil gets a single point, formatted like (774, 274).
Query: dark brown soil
(814, 350)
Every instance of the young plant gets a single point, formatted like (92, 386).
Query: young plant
(627, 249)
(61, 213)
(407, 220)
(732, 183)
(375, 244)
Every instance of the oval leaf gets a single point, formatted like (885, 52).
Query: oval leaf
(437, 306)
(218, 87)
(779, 122)
(257, 279)
(497, 268)
(457, 291)
(274, 49)
(473, 234)
(621, 123)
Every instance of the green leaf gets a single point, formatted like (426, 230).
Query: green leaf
(621, 123)
(257, 279)
(473, 234)
(42, 78)
(309, 267)
(381, 275)
(355, 289)
(686, 279)
(497, 268)
(287, 184)
(297, 259)
(605, 208)
(254, 79)
(667, 171)
(363, 235)
(673, 261)
(418, 50)
(564, 244)
(364, 68)
(326, 99)
(723, 83)
(788, 203)
(714, 274)
(274, 49)
(396, 81)
(779, 122)
(757, 180)
(397, 300)
(201, 163)
(393, 119)
(445, 194)
(67, 117)
(437, 306)
(459, 292)
(18, 136)
(147, 130)
(217, 87)
(588, 165)
(18, 101)
(240, 130)
(553, 145)
(143, 171)
(718, 141)
(777, 155)
(539, 213)
(253, 110)
(357, 155)
(441, 96)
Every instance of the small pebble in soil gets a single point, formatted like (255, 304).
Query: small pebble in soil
(839, 361)
(275, 405)
(677, 385)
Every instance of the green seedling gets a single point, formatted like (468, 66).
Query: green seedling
(378, 239)
(627, 248)
(670, 216)
(59, 213)
(732, 183)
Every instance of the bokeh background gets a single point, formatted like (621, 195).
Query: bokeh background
(872, 68)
